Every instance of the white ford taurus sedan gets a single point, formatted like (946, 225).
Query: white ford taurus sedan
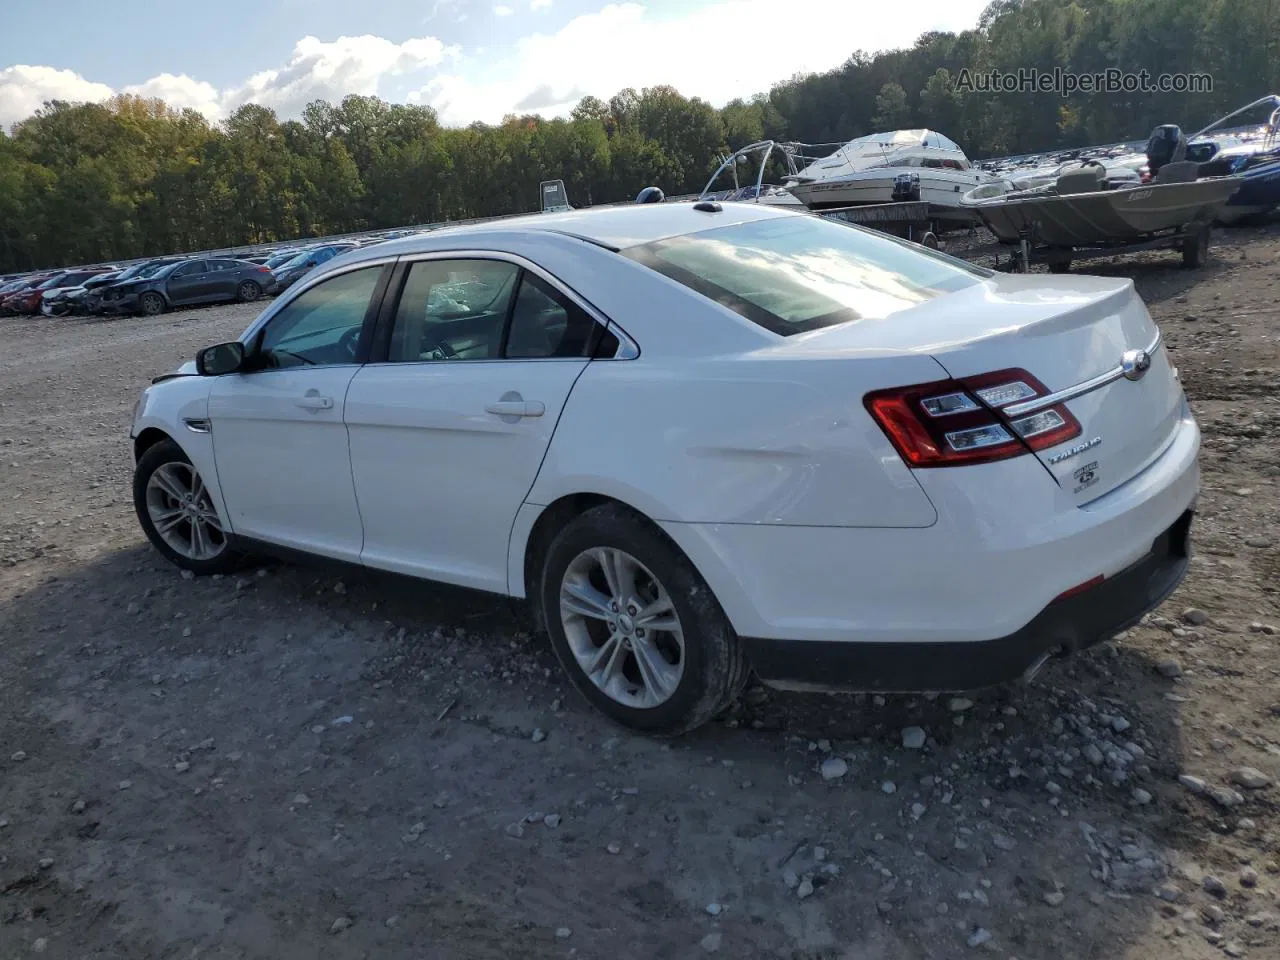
(702, 440)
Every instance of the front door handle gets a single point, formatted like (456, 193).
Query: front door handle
(516, 408)
(314, 402)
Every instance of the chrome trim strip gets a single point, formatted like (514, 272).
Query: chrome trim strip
(628, 349)
(1079, 390)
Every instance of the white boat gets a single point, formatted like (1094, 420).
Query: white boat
(888, 167)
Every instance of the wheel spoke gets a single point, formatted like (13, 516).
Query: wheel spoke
(209, 517)
(197, 538)
(197, 488)
(604, 557)
(654, 669)
(164, 522)
(168, 484)
(658, 615)
(607, 657)
(580, 598)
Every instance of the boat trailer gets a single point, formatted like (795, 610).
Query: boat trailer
(908, 219)
(1191, 240)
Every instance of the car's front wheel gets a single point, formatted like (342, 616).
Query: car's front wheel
(635, 626)
(177, 512)
(151, 304)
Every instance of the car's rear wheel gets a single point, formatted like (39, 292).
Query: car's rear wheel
(177, 513)
(636, 628)
(249, 291)
(151, 304)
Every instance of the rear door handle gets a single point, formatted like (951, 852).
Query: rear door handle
(312, 402)
(516, 408)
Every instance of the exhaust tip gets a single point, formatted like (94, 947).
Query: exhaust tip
(1036, 665)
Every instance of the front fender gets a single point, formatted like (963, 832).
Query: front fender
(179, 408)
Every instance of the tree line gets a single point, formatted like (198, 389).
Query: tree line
(132, 177)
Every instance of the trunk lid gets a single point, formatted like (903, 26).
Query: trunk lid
(1065, 332)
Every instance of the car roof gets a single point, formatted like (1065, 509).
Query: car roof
(615, 227)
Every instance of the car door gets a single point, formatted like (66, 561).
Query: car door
(280, 444)
(188, 282)
(224, 279)
(449, 428)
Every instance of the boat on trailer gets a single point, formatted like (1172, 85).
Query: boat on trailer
(1083, 214)
(897, 166)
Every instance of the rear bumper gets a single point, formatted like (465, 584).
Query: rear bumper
(1065, 626)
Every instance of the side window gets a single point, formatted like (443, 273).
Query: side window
(546, 324)
(453, 310)
(216, 265)
(321, 325)
(190, 269)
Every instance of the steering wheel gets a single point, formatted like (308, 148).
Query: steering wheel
(348, 342)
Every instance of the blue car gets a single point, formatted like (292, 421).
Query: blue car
(291, 271)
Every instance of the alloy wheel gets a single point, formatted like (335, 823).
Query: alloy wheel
(622, 627)
(182, 512)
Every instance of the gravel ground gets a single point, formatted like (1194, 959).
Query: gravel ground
(302, 762)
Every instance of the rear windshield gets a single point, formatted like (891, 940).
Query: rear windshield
(795, 274)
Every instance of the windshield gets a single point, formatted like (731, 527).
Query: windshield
(794, 274)
(151, 269)
(51, 282)
(277, 259)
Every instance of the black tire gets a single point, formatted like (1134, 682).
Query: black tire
(1195, 249)
(248, 291)
(151, 304)
(1060, 266)
(714, 666)
(930, 240)
(157, 456)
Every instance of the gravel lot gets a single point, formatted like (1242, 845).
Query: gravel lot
(303, 762)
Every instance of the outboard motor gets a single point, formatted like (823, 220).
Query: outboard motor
(906, 186)
(650, 195)
(1167, 144)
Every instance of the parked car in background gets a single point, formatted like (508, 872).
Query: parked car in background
(21, 289)
(68, 300)
(892, 470)
(294, 269)
(147, 268)
(53, 299)
(189, 282)
(27, 300)
(281, 257)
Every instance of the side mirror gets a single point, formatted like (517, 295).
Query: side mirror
(219, 359)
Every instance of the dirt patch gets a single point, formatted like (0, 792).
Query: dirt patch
(297, 763)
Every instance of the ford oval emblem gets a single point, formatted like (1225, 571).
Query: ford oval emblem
(1135, 364)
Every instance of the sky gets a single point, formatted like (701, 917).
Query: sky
(469, 59)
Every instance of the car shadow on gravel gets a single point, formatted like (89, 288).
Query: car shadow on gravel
(298, 762)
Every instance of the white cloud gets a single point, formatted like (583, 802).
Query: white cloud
(502, 11)
(320, 70)
(317, 69)
(625, 45)
(621, 45)
(24, 89)
(180, 92)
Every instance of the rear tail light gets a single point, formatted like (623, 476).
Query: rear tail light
(264, 270)
(954, 422)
